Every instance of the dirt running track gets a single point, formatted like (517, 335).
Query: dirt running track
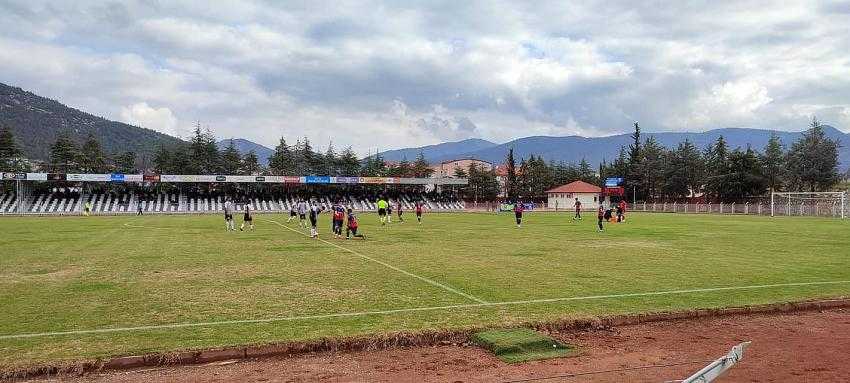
(794, 347)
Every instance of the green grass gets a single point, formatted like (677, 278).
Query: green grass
(520, 345)
(72, 273)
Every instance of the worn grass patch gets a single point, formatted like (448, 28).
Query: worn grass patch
(518, 345)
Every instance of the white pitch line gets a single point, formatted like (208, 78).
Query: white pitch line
(413, 309)
(421, 278)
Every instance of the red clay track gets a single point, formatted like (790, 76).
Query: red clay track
(807, 346)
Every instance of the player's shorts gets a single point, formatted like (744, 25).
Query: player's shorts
(292, 214)
(302, 216)
(382, 212)
(228, 217)
(353, 230)
(418, 213)
(248, 218)
(399, 212)
(518, 214)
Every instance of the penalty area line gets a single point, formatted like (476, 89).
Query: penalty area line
(410, 310)
(389, 266)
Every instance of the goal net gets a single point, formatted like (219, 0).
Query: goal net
(808, 203)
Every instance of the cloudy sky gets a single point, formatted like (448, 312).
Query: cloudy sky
(387, 74)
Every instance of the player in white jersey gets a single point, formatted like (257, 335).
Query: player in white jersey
(228, 215)
(302, 213)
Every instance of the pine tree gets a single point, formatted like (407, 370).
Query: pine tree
(231, 160)
(511, 181)
(635, 173)
(421, 167)
(64, 153)
(683, 171)
(330, 162)
(162, 161)
(91, 158)
(717, 168)
(404, 168)
(204, 157)
(813, 160)
(281, 162)
(652, 166)
(349, 165)
(125, 162)
(251, 164)
(773, 163)
(10, 153)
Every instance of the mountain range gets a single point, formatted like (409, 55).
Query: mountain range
(35, 122)
(572, 149)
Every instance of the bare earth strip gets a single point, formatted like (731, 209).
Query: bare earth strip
(787, 347)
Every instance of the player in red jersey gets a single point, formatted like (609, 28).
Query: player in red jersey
(600, 214)
(351, 228)
(518, 209)
(419, 208)
(621, 211)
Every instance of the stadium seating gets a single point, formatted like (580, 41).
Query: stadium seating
(112, 202)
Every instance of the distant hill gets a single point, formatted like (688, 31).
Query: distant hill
(444, 151)
(244, 146)
(35, 121)
(572, 149)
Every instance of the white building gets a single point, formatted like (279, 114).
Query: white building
(564, 197)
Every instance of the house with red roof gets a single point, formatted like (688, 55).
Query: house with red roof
(564, 197)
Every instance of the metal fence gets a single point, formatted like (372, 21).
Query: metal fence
(813, 209)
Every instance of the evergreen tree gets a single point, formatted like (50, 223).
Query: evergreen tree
(251, 164)
(204, 157)
(586, 173)
(349, 165)
(483, 184)
(773, 163)
(330, 162)
(652, 165)
(744, 177)
(375, 166)
(421, 167)
(684, 171)
(523, 181)
(162, 161)
(812, 161)
(403, 169)
(10, 153)
(231, 160)
(92, 159)
(126, 162)
(64, 153)
(281, 162)
(717, 167)
(511, 187)
(635, 173)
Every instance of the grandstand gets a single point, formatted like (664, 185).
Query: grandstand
(33, 195)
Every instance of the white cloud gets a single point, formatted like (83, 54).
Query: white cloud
(159, 119)
(374, 73)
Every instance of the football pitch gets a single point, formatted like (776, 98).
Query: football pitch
(75, 288)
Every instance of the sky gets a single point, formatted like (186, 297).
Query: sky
(391, 74)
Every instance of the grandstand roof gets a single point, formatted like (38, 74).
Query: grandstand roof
(576, 187)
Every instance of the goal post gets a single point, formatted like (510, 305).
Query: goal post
(815, 203)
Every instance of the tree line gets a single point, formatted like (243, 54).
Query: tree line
(718, 172)
(651, 171)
